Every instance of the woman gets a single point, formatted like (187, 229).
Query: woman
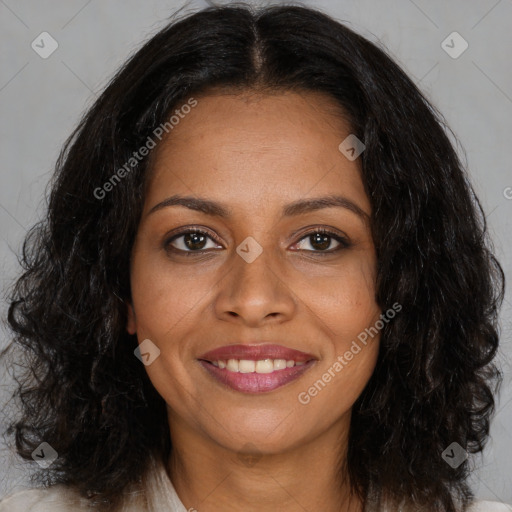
(263, 284)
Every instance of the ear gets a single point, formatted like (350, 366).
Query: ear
(131, 321)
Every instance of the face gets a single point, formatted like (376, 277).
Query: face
(271, 276)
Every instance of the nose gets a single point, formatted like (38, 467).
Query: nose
(255, 293)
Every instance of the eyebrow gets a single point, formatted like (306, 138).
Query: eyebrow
(299, 207)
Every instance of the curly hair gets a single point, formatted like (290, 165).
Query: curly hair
(80, 387)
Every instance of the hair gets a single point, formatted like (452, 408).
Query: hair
(80, 387)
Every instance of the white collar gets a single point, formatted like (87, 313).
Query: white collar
(160, 491)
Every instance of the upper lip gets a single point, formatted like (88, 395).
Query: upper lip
(256, 352)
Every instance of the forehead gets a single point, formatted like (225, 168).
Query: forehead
(242, 147)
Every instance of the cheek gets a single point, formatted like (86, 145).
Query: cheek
(334, 390)
(344, 308)
(164, 300)
(344, 299)
(347, 312)
(164, 304)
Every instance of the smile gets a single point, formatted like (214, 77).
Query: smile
(260, 366)
(256, 368)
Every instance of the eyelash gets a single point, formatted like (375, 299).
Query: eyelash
(344, 243)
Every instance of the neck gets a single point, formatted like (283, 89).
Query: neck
(211, 478)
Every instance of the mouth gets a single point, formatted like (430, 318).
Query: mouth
(256, 368)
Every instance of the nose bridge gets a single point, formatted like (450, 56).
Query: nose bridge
(253, 266)
(255, 272)
(254, 288)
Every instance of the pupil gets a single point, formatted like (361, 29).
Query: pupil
(320, 239)
(195, 238)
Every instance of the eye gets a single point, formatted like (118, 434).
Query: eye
(321, 240)
(190, 241)
(196, 241)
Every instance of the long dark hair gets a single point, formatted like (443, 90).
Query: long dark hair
(83, 391)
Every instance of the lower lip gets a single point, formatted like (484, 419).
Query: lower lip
(256, 382)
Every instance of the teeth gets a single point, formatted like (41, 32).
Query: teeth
(261, 366)
(265, 366)
(279, 364)
(232, 365)
(246, 366)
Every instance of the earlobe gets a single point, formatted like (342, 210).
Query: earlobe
(131, 323)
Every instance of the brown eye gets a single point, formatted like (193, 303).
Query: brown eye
(194, 240)
(191, 241)
(321, 241)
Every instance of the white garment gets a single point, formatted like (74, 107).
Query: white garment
(161, 496)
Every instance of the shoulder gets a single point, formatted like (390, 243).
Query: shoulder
(485, 506)
(57, 498)
(156, 493)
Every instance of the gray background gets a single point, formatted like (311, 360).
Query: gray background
(41, 100)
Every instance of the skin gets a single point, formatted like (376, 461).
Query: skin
(256, 153)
